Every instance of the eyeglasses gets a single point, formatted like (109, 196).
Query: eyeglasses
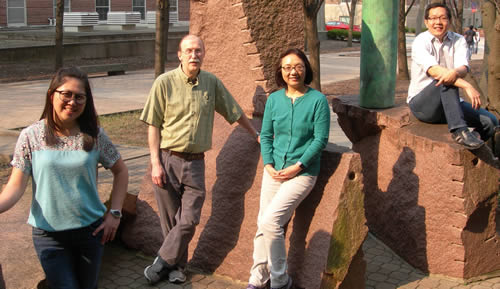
(288, 68)
(435, 19)
(67, 96)
(190, 51)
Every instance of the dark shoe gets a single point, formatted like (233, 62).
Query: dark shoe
(289, 284)
(467, 139)
(156, 271)
(267, 286)
(177, 276)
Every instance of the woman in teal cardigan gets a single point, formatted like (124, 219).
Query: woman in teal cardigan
(295, 130)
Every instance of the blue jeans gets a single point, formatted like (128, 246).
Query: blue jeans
(72, 258)
(441, 104)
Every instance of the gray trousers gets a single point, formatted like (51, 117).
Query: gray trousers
(179, 203)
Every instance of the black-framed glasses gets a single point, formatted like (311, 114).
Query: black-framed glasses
(288, 68)
(67, 96)
(435, 19)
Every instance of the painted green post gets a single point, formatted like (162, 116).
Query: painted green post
(379, 53)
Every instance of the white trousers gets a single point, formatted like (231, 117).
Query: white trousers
(278, 201)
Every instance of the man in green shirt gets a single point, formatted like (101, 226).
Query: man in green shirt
(180, 113)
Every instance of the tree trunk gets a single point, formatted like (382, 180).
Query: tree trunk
(402, 58)
(420, 17)
(457, 11)
(490, 78)
(460, 14)
(162, 16)
(311, 8)
(352, 12)
(59, 34)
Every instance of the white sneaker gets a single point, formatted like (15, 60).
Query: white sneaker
(176, 276)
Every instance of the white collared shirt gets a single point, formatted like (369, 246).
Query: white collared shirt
(426, 52)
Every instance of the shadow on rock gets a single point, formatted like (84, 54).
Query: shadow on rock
(236, 169)
(302, 222)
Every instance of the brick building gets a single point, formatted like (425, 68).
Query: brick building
(38, 12)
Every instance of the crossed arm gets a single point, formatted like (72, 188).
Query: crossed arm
(455, 77)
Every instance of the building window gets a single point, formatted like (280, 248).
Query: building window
(173, 11)
(15, 12)
(67, 4)
(102, 8)
(139, 6)
(344, 19)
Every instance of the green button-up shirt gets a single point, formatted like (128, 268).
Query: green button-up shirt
(295, 132)
(184, 111)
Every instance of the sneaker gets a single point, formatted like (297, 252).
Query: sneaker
(287, 286)
(156, 271)
(176, 276)
(250, 286)
(467, 139)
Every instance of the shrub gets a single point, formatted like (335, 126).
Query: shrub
(342, 34)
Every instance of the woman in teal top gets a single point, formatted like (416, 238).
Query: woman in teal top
(294, 132)
(61, 153)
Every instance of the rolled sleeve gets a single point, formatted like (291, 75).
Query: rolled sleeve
(154, 109)
(421, 55)
(460, 55)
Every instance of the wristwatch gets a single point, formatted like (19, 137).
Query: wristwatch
(116, 213)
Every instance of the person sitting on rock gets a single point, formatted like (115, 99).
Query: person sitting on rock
(295, 130)
(439, 65)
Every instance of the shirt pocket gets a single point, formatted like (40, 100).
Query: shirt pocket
(206, 102)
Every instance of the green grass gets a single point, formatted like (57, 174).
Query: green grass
(125, 128)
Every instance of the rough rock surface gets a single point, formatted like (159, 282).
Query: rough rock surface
(223, 242)
(243, 40)
(426, 197)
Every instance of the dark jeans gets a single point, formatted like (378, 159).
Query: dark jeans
(180, 202)
(72, 258)
(441, 104)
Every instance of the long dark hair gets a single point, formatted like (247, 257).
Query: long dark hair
(278, 76)
(87, 121)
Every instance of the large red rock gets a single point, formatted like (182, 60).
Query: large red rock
(430, 200)
(223, 242)
(243, 40)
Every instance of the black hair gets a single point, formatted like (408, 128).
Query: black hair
(435, 5)
(87, 121)
(300, 54)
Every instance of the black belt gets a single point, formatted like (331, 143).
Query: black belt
(186, 156)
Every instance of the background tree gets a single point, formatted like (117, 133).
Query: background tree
(457, 12)
(311, 8)
(490, 69)
(402, 58)
(59, 34)
(352, 12)
(161, 39)
(420, 16)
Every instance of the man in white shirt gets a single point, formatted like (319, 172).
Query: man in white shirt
(439, 65)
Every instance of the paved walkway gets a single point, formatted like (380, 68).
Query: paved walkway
(123, 268)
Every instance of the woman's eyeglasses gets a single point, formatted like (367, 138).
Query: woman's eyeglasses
(288, 68)
(67, 96)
